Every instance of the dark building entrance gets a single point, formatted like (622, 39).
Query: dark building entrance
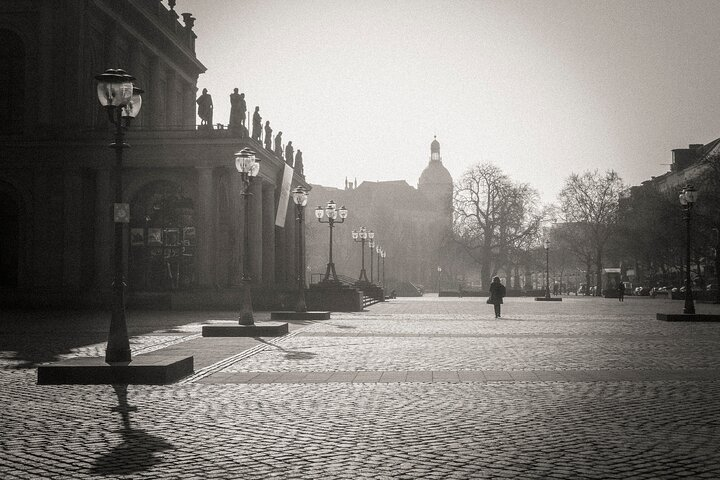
(162, 239)
(9, 240)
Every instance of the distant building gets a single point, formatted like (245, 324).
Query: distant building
(56, 176)
(411, 224)
(688, 165)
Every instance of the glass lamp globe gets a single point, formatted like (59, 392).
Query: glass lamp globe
(114, 88)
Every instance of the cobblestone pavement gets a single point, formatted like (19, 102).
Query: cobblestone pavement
(410, 389)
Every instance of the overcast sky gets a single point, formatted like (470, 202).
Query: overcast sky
(539, 88)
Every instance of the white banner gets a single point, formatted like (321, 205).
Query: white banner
(284, 196)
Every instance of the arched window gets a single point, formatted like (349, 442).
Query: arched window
(12, 82)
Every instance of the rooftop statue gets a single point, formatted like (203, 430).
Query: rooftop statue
(289, 150)
(268, 136)
(278, 145)
(205, 108)
(256, 125)
(238, 109)
(299, 168)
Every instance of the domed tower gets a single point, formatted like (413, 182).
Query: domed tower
(435, 182)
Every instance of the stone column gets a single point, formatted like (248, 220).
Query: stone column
(256, 230)
(172, 116)
(104, 228)
(237, 211)
(206, 220)
(72, 205)
(268, 234)
(157, 101)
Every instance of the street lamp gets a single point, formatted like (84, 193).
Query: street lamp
(371, 244)
(300, 198)
(332, 214)
(378, 250)
(547, 267)
(384, 254)
(248, 165)
(439, 271)
(687, 199)
(360, 236)
(122, 101)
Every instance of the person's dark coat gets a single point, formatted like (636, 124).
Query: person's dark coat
(497, 292)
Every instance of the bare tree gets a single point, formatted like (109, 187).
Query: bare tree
(591, 199)
(493, 217)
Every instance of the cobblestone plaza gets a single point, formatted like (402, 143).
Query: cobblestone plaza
(411, 388)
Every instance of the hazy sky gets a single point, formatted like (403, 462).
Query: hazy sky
(540, 88)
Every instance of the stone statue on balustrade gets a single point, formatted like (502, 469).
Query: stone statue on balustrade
(268, 136)
(238, 109)
(278, 145)
(256, 125)
(299, 168)
(289, 152)
(205, 109)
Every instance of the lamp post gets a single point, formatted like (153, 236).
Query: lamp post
(547, 267)
(371, 245)
(439, 270)
(360, 236)
(332, 214)
(687, 199)
(378, 251)
(248, 165)
(122, 101)
(384, 254)
(300, 198)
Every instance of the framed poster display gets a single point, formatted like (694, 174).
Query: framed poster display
(188, 236)
(154, 237)
(171, 237)
(137, 237)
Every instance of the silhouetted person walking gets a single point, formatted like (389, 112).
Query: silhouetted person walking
(621, 292)
(497, 292)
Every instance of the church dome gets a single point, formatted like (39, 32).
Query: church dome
(435, 173)
(435, 146)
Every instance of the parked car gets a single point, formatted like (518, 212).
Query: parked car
(641, 291)
(655, 291)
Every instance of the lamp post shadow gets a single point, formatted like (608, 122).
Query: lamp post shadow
(138, 449)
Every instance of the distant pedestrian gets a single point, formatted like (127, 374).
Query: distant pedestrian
(621, 292)
(497, 292)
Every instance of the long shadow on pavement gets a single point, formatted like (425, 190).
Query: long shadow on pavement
(136, 452)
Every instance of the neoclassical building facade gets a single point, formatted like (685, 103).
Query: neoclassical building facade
(184, 241)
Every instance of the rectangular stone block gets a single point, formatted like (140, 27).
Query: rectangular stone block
(261, 330)
(143, 370)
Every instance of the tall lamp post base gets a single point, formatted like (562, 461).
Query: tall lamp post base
(246, 311)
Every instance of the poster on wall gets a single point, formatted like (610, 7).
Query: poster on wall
(171, 237)
(137, 237)
(188, 236)
(154, 237)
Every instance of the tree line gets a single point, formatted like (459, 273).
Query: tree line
(499, 225)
